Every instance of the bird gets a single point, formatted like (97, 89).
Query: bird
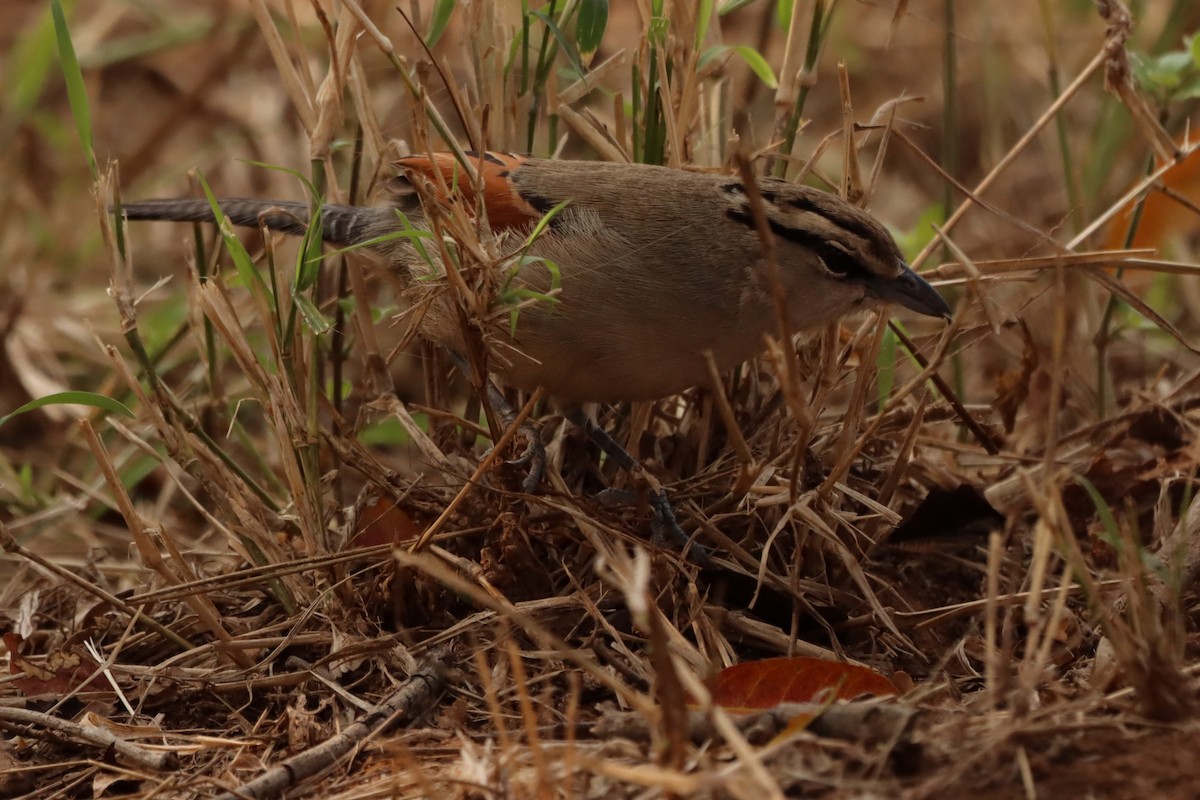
(645, 272)
(633, 278)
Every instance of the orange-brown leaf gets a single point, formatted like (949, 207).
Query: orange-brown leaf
(767, 683)
(62, 672)
(381, 521)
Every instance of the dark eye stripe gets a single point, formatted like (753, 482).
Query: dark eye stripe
(836, 260)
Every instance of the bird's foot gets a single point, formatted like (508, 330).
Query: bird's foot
(664, 526)
(533, 460)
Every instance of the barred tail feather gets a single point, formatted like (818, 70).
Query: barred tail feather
(342, 225)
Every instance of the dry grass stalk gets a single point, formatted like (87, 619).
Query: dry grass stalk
(246, 602)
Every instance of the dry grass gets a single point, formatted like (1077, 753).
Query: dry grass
(1034, 576)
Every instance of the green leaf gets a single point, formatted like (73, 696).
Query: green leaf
(563, 42)
(413, 235)
(76, 91)
(308, 187)
(1194, 47)
(511, 294)
(729, 6)
(752, 57)
(544, 222)
(1111, 532)
(703, 20)
(442, 11)
(1163, 73)
(757, 64)
(656, 31)
(783, 13)
(249, 274)
(514, 296)
(309, 267)
(317, 322)
(73, 398)
(590, 26)
(520, 295)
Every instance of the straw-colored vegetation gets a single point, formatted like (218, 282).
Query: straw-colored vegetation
(273, 529)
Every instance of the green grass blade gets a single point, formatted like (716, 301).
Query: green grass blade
(76, 399)
(76, 91)
(589, 27)
(442, 11)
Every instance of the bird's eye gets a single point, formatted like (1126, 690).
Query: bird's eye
(839, 262)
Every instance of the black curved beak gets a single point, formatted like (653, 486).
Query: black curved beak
(910, 290)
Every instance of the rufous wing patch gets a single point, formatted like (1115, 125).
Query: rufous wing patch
(505, 207)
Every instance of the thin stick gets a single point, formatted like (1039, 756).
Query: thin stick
(484, 464)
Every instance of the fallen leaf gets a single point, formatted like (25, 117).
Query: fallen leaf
(767, 683)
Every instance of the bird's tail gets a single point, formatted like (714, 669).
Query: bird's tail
(342, 225)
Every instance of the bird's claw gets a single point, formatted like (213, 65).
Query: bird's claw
(533, 458)
(664, 527)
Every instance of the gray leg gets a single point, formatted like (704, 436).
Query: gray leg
(664, 526)
(534, 457)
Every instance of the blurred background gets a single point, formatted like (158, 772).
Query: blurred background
(178, 87)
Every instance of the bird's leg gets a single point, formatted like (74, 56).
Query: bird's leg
(664, 526)
(534, 457)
